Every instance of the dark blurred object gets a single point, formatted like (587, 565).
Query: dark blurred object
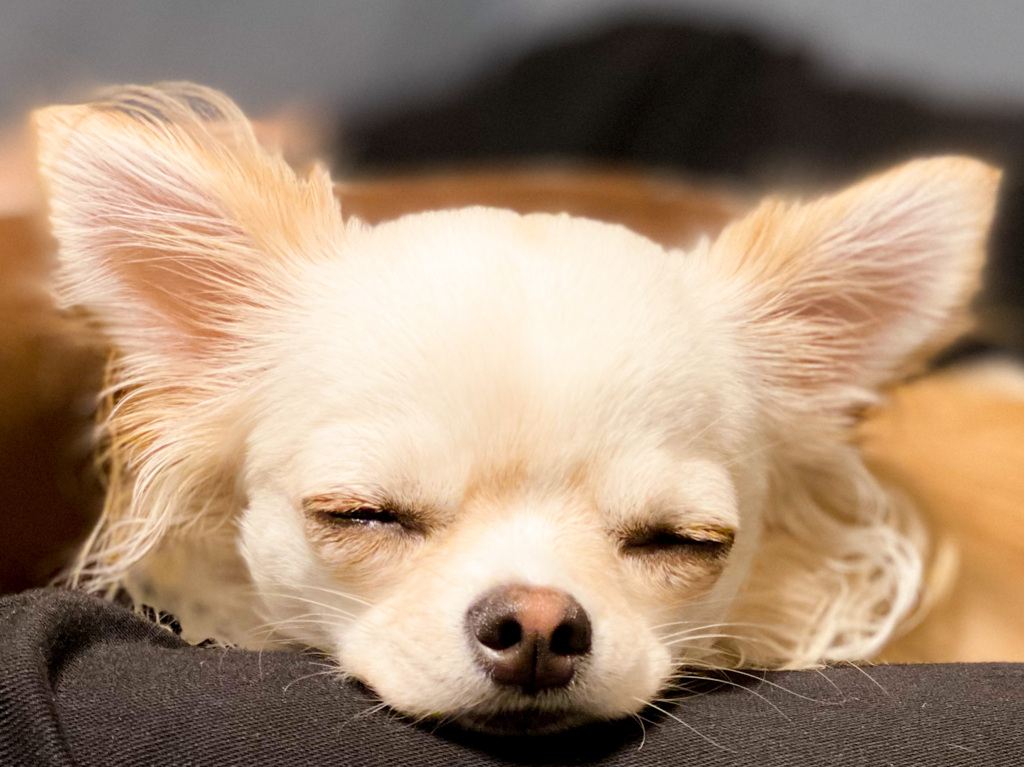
(713, 104)
(49, 495)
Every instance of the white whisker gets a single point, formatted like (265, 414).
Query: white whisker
(332, 672)
(730, 683)
(690, 727)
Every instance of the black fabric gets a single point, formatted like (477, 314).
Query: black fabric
(710, 103)
(86, 682)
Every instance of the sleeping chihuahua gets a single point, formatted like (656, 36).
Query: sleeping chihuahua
(515, 471)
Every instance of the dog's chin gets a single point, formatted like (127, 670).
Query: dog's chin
(522, 721)
(513, 713)
(510, 713)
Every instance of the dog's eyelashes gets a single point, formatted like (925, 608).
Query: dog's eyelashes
(711, 543)
(341, 511)
(383, 519)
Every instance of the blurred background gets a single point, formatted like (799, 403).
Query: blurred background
(741, 95)
(359, 55)
(758, 94)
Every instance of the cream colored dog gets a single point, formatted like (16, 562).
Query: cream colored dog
(518, 471)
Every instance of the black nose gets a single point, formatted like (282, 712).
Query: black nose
(529, 637)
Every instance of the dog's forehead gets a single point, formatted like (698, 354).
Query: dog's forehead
(467, 289)
(510, 334)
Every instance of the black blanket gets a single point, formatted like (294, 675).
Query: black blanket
(86, 682)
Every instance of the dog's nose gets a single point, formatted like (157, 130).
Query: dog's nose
(529, 637)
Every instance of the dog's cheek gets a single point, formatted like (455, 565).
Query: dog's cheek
(289, 580)
(411, 645)
(413, 656)
(631, 664)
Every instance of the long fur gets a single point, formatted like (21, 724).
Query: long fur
(162, 442)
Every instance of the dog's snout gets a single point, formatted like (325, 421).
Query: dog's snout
(529, 637)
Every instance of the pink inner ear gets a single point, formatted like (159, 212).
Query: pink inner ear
(863, 290)
(172, 249)
(152, 240)
(185, 304)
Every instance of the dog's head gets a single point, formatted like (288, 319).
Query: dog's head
(517, 470)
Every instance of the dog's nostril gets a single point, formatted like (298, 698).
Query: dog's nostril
(572, 637)
(529, 637)
(510, 633)
(495, 632)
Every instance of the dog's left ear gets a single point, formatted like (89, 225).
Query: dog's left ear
(839, 293)
(174, 224)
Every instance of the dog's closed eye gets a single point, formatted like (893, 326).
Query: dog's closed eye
(706, 544)
(677, 556)
(366, 516)
(343, 512)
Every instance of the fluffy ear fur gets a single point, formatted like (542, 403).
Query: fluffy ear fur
(842, 292)
(838, 295)
(170, 215)
(176, 229)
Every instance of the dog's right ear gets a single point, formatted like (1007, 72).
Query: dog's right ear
(842, 292)
(173, 223)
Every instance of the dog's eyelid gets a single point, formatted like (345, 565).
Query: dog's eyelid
(709, 540)
(344, 506)
(340, 502)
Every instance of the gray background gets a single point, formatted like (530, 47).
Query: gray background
(357, 55)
